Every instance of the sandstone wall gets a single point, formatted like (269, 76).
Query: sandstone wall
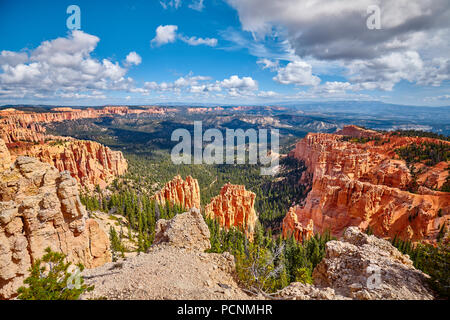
(354, 184)
(89, 162)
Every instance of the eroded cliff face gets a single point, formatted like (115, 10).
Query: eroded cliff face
(39, 208)
(234, 207)
(89, 162)
(362, 184)
(180, 192)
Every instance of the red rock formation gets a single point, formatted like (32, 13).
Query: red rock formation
(234, 207)
(183, 193)
(357, 132)
(356, 184)
(291, 227)
(89, 162)
(39, 208)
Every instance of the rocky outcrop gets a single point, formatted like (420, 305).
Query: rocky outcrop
(365, 268)
(291, 227)
(182, 193)
(362, 184)
(234, 207)
(5, 157)
(187, 230)
(175, 267)
(40, 208)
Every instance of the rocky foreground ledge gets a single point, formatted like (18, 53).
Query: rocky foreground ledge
(176, 267)
(362, 267)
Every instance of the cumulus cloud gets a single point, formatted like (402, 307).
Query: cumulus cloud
(241, 84)
(133, 58)
(338, 29)
(12, 58)
(297, 72)
(165, 34)
(168, 34)
(414, 34)
(61, 67)
(384, 72)
(233, 86)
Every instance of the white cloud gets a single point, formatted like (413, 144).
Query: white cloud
(384, 72)
(240, 84)
(165, 34)
(12, 58)
(414, 34)
(60, 67)
(297, 72)
(194, 41)
(269, 64)
(175, 4)
(197, 5)
(267, 94)
(133, 58)
(168, 34)
(233, 86)
(170, 3)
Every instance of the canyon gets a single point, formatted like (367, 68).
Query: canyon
(366, 185)
(177, 267)
(90, 163)
(39, 208)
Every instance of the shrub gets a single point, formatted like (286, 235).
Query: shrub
(50, 280)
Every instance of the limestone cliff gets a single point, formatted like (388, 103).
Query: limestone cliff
(40, 208)
(363, 184)
(234, 207)
(182, 193)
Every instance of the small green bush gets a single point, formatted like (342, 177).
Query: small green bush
(50, 280)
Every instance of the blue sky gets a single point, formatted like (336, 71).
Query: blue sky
(224, 51)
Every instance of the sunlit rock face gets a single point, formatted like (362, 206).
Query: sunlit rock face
(365, 184)
(39, 208)
(184, 193)
(90, 163)
(234, 207)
